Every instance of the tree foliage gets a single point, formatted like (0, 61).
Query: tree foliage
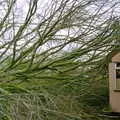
(65, 41)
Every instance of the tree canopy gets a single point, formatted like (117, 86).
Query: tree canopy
(64, 40)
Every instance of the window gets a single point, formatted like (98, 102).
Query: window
(117, 75)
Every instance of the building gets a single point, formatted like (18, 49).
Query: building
(114, 82)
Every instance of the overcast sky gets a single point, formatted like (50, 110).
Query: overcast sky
(22, 6)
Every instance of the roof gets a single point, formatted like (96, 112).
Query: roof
(115, 56)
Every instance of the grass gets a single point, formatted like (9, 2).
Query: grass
(77, 99)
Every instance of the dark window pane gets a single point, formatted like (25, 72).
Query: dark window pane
(118, 64)
(117, 73)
